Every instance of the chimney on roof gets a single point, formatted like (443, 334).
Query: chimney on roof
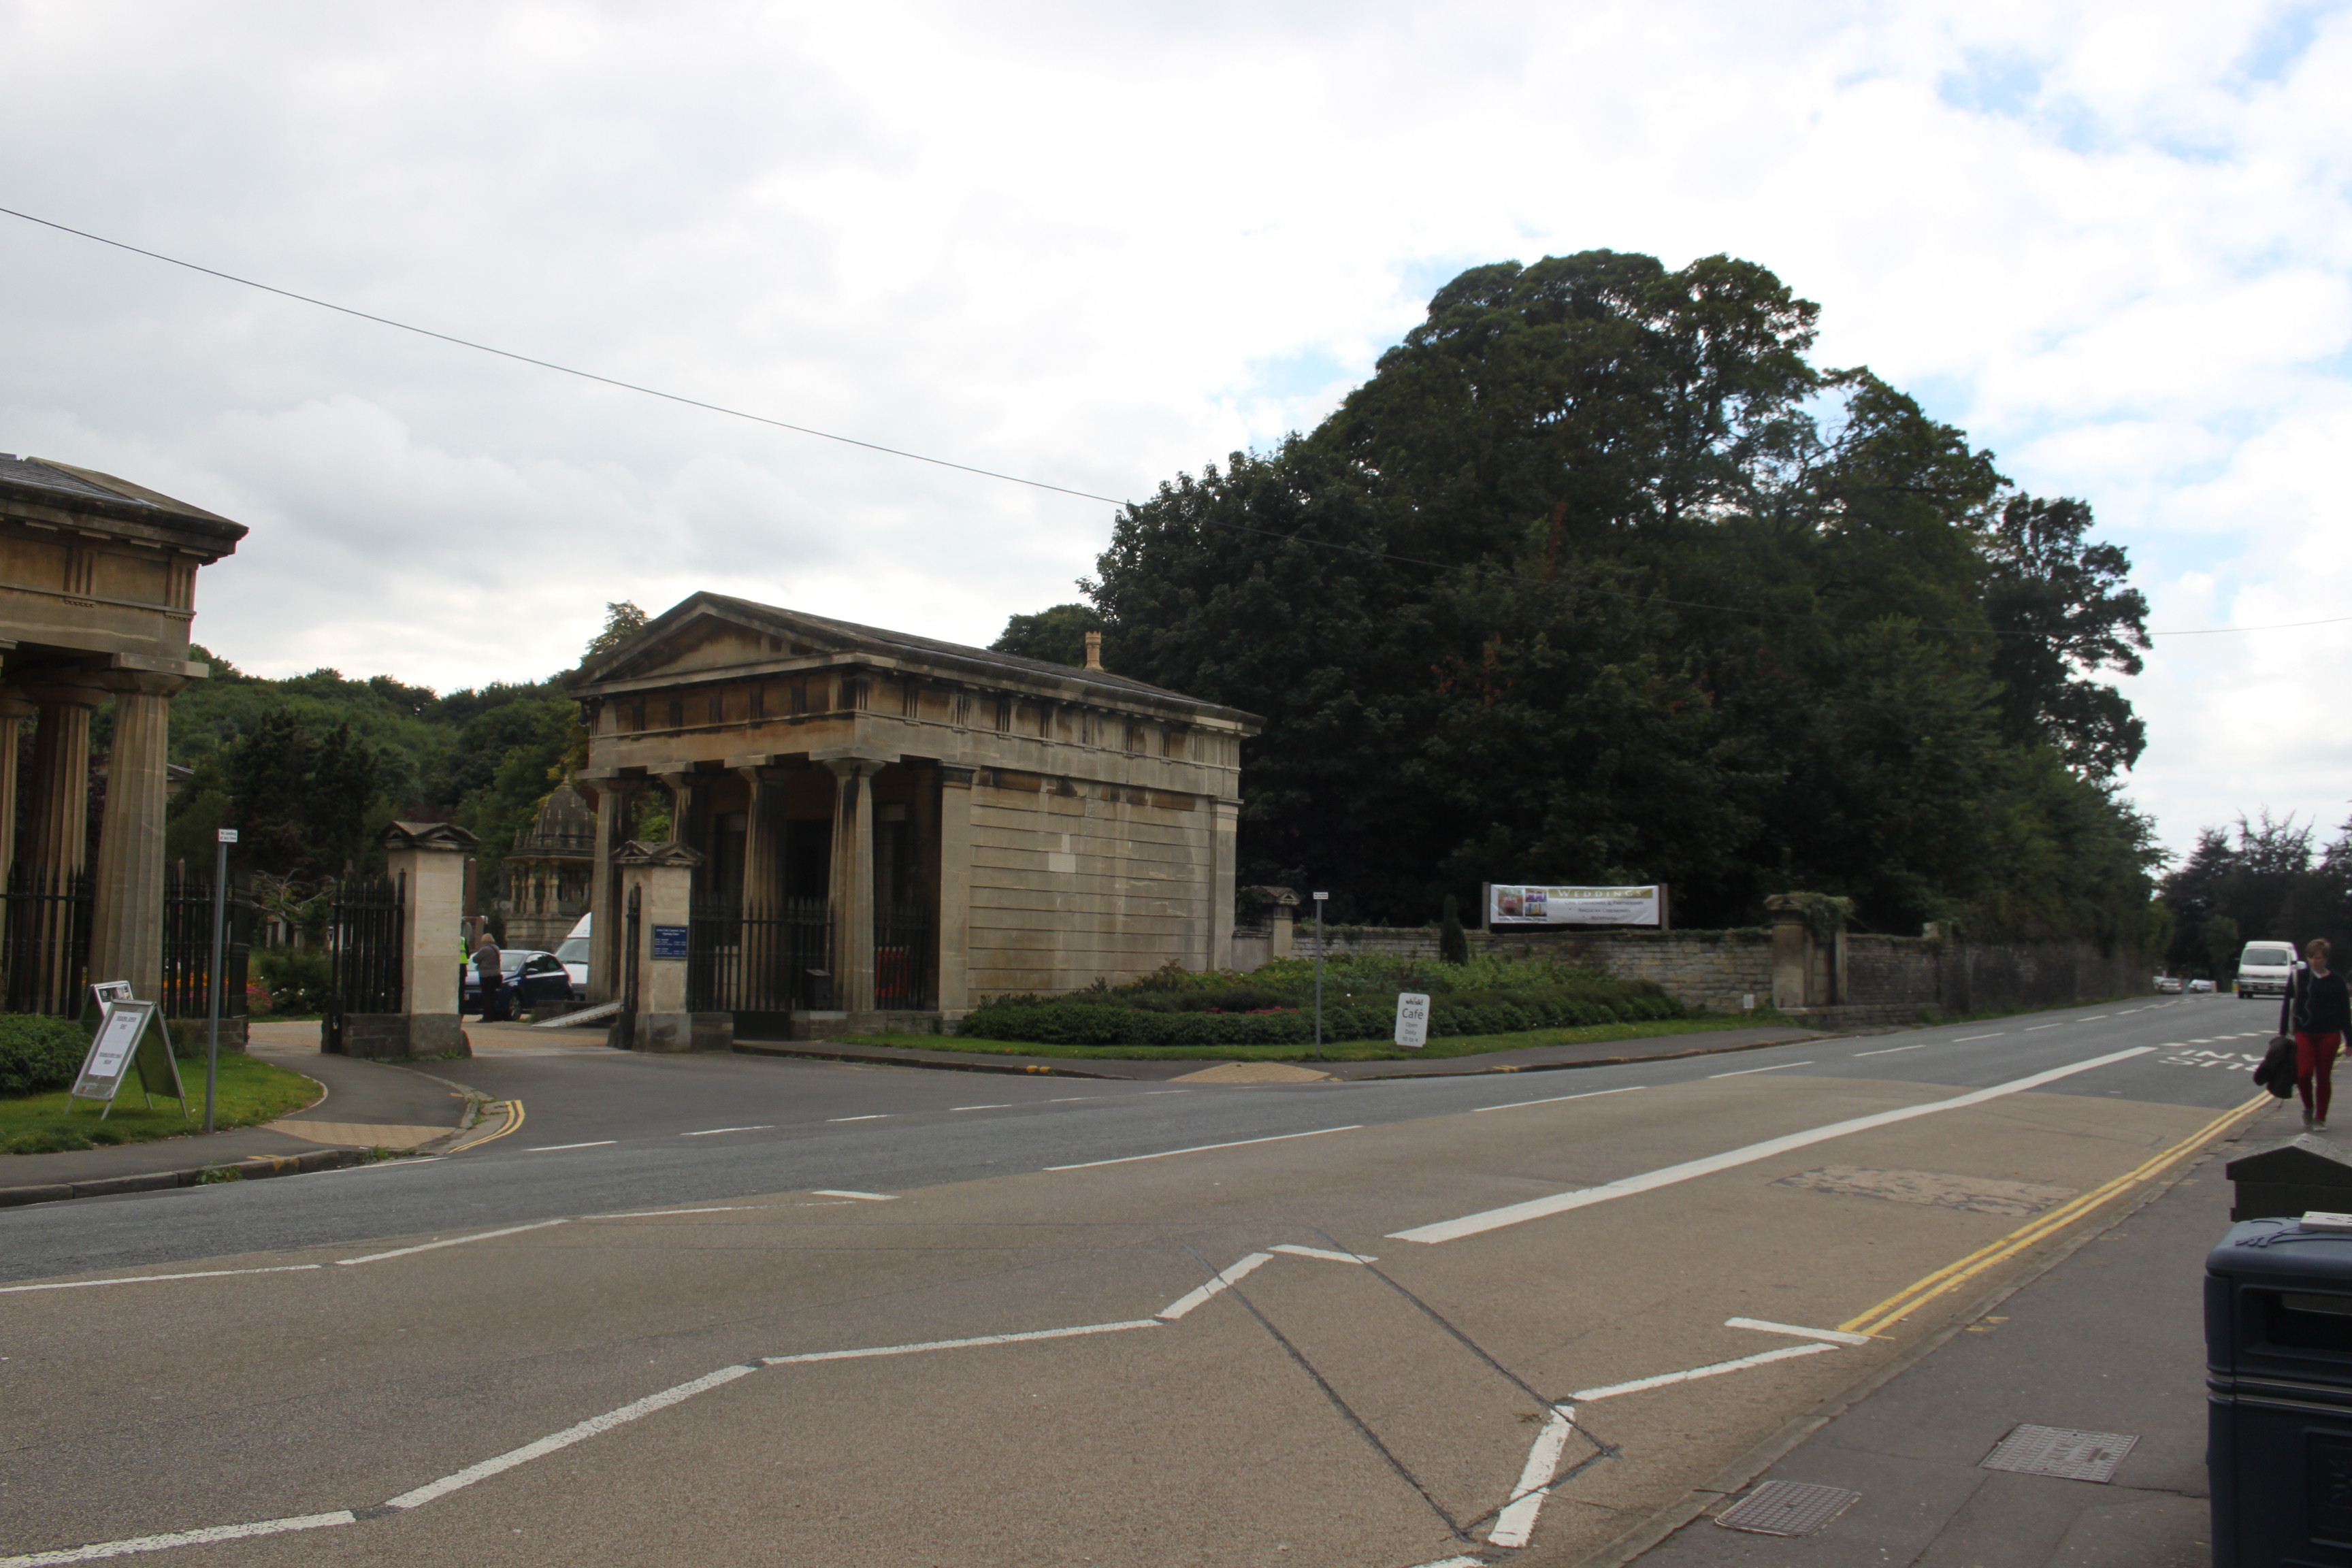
(1094, 650)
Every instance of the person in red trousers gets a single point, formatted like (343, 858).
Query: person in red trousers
(2316, 1010)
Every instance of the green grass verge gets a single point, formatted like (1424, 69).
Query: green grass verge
(1338, 1050)
(250, 1091)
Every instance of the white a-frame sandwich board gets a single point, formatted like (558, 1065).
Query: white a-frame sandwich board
(126, 1043)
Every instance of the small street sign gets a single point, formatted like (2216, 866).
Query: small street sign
(1413, 1019)
(669, 942)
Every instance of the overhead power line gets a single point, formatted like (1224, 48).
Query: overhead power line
(967, 468)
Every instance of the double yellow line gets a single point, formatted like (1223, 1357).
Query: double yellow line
(513, 1109)
(1951, 1277)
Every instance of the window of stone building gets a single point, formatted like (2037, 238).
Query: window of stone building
(799, 696)
(960, 710)
(1004, 713)
(757, 703)
(910, 700)
(633, 716)
(678, 713)
(718, 707)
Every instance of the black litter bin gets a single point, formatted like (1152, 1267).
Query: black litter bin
(2278, 1362)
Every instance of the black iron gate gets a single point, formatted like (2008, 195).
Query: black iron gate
(623, 1035)
(47, 942)
(905, 980)
(362, 937)
(188, 944)
(761, 958)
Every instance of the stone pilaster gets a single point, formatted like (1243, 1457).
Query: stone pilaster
(662, 877)
(13, 711)
(1224, 824)
(428, 861)
(126, 939)
(612, 799)
(767, 988)
(955, 890)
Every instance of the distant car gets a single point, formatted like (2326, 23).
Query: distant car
(2201, 987)
(2263, 968)
(531, 976)
(2168, 984)
(573, 952)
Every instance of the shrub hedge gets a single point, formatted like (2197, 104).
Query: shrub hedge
(38, 1055)
(1085, 1021)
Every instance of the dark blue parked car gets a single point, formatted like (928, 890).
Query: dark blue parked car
(530, 977)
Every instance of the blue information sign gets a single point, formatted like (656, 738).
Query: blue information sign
(669, 942)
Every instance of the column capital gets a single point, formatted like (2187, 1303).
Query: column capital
(65, 692)
(848, 768)
(141, 682)
(15, 704)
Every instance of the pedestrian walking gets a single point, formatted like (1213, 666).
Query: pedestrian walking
(2316, 1010)
(488, 970)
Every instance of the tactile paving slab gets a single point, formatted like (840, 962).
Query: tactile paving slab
(2060, 1451)
(1787, 1508)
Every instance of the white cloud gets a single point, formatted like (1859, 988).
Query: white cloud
(1096, 244)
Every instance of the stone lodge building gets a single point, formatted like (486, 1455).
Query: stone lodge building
(98, 580)
(881, 823)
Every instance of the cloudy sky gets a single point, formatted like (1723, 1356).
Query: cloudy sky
(1096, 243)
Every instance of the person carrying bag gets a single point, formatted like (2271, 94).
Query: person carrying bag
(2316, 1010)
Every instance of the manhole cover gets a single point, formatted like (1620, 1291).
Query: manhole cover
(2058, 1451)
(1787, 1508)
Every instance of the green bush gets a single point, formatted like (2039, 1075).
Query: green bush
(37, 1055)
(299, 982)
(1083, 1019)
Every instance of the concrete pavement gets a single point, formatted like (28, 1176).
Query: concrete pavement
(1124, 1324)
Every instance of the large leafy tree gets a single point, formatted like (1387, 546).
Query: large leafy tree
(1599, 578)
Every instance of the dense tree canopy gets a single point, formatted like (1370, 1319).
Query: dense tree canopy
(1599, 578)
(2265, 879)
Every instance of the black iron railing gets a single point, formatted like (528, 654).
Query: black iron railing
(47, 947)
(772, 957)
(905, 977)
(188, 944)
(362, 940)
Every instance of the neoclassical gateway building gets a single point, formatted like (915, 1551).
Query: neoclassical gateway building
(877, 822)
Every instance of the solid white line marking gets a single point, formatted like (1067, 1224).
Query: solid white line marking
(1891, 1049)
(1556, 1099)
(1718, 1370)
(960, 1344)
(152, 1278)
(1073, 1098)
(551, 1148)
(1831, 1336)
(1320, 1252)
(453, 1241)
(1560, 1203)
(1964, 1039)
(181, 1538)
(655, 1214)
(878, 1115)
(1743, 1072)
(2030, 1029)
(1191, 1298)
(2091, 1019)
(1167, 1092)
(1454, 1563)
(980, 1107)
(1203, 1148)
(869, 1197)
(714, 1132)
(565, 1438)
(1518, 1522)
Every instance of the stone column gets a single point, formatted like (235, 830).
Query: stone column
(126, 936)
(428, 861)
(13, 711)
(1225, 819)
(663, 878)
(1793, 956)
(955, 891)
(689, 794)
(853, 883)
(613, 798)
(767, 989)
(57, 839)
(1285, 931)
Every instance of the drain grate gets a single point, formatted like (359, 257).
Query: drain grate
(2060, 1451)
(1787, 1508)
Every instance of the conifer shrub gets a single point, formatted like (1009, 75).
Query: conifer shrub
(38, 1055)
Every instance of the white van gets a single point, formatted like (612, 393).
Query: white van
(573, 956)
(2262, 968)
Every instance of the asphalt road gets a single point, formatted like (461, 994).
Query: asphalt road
(1547, 1244)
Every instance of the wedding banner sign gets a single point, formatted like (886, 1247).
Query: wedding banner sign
(1525, 904)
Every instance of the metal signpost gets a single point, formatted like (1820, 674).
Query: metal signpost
(1320, 899)
(124, 1042)
(1413, 1019)
(225, 836)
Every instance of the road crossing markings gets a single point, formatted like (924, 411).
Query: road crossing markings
(1517, 1520)
(1222, 1280)
(1297, 1251)
(1831, 1336)
(1952, 1275)
(552, 1148)
(453, 1241)
(1743, 1072)
(1560, 1203)
(1555, 1099)
(182, 1538)
(1717, 1369)
(715, 1131)
(869, 1197)
(1205, 1148)
(1891, 1049)
(158, 1278)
